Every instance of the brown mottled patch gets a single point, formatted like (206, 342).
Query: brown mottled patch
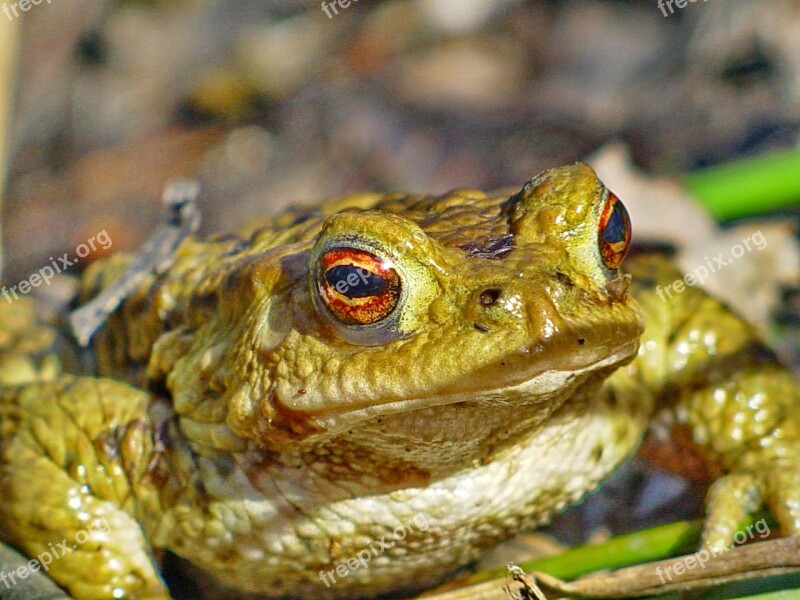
(347, 460)
(107, 444)
(226, 555)
(404, 475)
(290, 425)
(486, 460)
(681, 455)
(133, 443)
(156, 472)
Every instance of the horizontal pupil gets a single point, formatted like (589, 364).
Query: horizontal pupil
(614, 230)
(355, 282)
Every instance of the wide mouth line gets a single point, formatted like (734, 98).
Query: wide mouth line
(560, 378)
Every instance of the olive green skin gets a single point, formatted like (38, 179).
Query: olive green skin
(236, 422)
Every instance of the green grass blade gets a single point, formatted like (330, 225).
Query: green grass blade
(749, 186)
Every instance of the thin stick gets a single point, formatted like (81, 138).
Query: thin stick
(759, 560)
(155, 256)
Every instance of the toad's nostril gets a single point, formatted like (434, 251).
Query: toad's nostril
(489, 297)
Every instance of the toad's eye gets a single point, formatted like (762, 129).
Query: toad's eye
(357, 287)
(614, 232)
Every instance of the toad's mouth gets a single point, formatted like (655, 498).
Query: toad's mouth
(544, 385)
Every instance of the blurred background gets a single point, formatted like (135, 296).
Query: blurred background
(277, 102)
(271, 102)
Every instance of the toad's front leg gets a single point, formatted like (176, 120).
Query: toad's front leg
(718, 380)
(76, 464)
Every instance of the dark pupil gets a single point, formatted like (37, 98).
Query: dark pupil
(354, 282)
(615, 228)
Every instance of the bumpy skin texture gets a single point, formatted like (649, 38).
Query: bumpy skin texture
(276, 441)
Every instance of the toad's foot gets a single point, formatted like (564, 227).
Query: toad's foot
(70, 478)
